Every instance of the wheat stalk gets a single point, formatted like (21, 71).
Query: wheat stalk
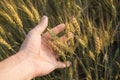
(3, 42)
(91, 55)
(2, 31)
(70, 73)
(14, 14)
(7, 17)
(64, 47)
(28, 12)
(81, 41)
(69, 28)
(76, 76)
(98, 44)
(92, 23)
(77, 26)
(57, 50)
(35, 12)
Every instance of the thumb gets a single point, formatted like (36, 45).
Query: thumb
(42, 25)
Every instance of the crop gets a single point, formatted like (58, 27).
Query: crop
(94, 49)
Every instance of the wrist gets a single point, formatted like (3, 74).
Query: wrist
(16, 67)
(26, 64)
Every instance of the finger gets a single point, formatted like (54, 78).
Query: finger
(63, 64)
(55, 30)
(42, 25)
(64, 38)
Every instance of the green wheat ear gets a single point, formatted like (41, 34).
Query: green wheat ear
(14, 14)
(98, 44)
(76, 26)
(60, 46)
(7, 17)
(31, 12)
(91, 55)
(3, 42)
(28, 12)
(35, 12)
(53, 35)
(2, 31)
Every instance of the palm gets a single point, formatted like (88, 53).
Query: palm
(41, 54)
(46, 52)
(48, 59)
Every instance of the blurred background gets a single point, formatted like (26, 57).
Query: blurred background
(95, 48)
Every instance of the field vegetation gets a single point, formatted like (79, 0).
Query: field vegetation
(94, 49)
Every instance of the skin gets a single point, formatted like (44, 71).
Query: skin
(35, 57)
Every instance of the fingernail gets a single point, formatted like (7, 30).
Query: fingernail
(68, 63)
(63, 24)
(44, 17)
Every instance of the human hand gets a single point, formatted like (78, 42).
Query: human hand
(39, 52)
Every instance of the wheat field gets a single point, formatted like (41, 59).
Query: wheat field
(95, 48)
